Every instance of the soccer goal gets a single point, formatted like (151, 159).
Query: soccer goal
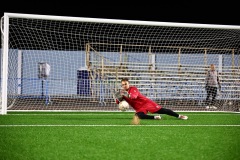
(75, 63)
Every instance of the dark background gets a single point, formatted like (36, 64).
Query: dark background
(208, 12)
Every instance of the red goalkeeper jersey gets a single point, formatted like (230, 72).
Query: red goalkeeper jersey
(140, 103)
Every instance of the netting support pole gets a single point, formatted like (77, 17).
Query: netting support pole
(205, 58)
(179, 61)
(120, 59)
(233, 61)
(87, 48)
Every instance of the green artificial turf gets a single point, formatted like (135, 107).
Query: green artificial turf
(106, 135)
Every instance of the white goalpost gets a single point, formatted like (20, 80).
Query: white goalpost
(62, 63)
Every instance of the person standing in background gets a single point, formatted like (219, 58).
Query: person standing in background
(212, 83)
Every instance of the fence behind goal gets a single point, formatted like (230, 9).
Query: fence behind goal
(70, 63)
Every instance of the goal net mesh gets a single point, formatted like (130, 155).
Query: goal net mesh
(65, 64)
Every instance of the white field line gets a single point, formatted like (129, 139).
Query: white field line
(94, 125)
(101, 125)
(107, 114)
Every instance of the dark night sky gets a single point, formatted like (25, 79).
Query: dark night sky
(170, 11)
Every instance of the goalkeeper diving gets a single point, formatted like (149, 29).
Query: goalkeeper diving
(141, 104)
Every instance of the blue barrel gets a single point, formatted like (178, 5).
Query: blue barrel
(83, 82)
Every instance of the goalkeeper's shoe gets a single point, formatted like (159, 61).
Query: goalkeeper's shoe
(183, 117)
(213, 107)
(157, 117)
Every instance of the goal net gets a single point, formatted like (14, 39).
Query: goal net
(75, 63)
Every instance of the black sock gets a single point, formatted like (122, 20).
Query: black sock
(142, 115)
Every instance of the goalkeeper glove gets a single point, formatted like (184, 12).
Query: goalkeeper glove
(118, 96)
(125, 93)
